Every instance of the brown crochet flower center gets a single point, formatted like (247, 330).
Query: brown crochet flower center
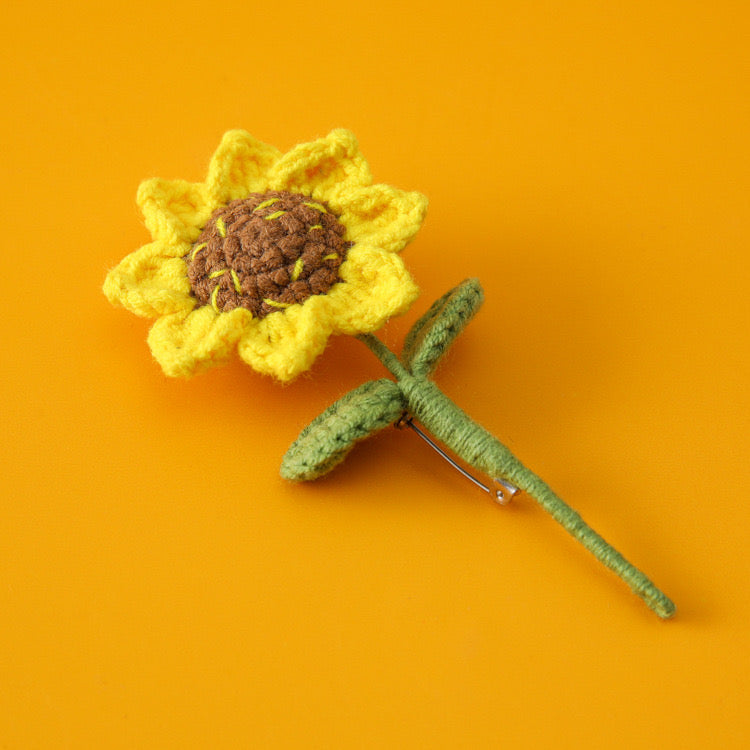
(266, 252)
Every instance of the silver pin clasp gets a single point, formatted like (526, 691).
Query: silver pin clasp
(504, 493)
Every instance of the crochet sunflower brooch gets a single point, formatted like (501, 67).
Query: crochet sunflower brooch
(273, 254)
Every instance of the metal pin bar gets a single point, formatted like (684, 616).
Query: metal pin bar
(503, 495)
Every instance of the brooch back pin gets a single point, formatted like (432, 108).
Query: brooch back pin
(273, 254)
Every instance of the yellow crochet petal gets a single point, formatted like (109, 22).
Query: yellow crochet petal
(239, 166)
(316, 168)
(186, 344)
(174, 210)
(376, 287)
(380, 215)
(285, 344)
(149, 282)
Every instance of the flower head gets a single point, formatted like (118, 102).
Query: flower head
(270, 255)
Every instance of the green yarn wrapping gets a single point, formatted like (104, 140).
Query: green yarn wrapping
(327, 440)
(432, 335)
(480, 449)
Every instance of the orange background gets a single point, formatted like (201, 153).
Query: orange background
(161, 586)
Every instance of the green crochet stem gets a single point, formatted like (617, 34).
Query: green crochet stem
(478, 448)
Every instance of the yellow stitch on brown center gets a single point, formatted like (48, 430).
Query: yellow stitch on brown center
(269, 202)
(213, 298)
(250, 225)
(235, 281)
(299, 264)
(317, 207)
(197, 249)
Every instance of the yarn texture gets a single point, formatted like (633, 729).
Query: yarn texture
(271, 255)
(324, 443)
(269, 288)
(265, 253)
(327, 440)
(432, 335)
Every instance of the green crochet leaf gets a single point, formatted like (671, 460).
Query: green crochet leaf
(326, 441)
(432, 335)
